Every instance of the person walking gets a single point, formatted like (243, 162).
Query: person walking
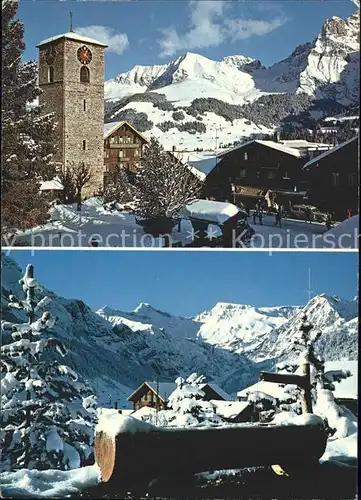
(255, 214)
(349, 212)
(308, 216)
(278, 218)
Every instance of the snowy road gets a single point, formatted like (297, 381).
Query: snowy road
(69, 228)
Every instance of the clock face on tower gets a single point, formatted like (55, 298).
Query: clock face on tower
(84, 55)
(50, 54)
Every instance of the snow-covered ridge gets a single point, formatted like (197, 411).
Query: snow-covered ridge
(324, 68)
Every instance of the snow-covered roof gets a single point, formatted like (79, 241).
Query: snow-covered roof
(229, 409)
(218, 390)
(330, 151)
(269, 144)
(303, 144)
(217, 212)
(54, 184)
(72, 36)
(111, 127)
(269, 388)
(144, 411)
(201, 165)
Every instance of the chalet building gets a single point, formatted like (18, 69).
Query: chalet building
(248, 172)
(333, 178)
(123, 146)
(235, 412)
(156, 394)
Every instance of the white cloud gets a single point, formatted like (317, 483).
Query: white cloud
(240, 29)
(205, 29)
(209, 26)
(117, 42)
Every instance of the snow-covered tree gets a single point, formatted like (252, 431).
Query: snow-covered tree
(27, 137)
(119, 189)
(47, 414)
(186, 406)
(164, 184)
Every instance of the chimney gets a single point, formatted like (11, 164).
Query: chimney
(173, 149)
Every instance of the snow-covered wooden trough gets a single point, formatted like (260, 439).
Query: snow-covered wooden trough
(230, 219)
(128, 451)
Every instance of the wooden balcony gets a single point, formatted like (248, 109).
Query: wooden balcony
(123, 146)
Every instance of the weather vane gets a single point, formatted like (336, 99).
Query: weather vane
(71, 20)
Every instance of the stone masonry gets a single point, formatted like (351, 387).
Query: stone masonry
(78, 106)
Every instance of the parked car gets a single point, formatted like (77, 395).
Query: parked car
(301, 212)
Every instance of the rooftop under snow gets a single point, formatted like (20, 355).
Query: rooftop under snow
(72, 36)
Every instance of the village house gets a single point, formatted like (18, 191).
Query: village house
(123, 147)
(247, 173)
(333, 179)
(235, 412)
(156, 394)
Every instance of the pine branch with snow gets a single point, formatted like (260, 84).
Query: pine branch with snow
(186, 406)
(48, 416)
(27, 135)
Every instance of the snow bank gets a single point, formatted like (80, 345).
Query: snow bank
(26, 483)
(111, 422)
(345, 388)
(344, 235)
(290, 417)
(212, 211)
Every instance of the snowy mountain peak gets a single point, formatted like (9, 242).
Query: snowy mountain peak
(144, 307)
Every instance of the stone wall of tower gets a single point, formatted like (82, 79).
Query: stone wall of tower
(65, 97)
(85, 125)
(52, 96)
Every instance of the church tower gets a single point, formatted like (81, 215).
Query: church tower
(71, 77)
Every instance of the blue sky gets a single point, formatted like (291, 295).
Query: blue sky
(154, 32)
(186, 283)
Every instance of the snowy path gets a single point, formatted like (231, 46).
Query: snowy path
(69, 228)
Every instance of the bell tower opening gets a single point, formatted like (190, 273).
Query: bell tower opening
(84, 74)
(51, 74)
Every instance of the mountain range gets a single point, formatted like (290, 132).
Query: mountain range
(193, 102)
(230, 343)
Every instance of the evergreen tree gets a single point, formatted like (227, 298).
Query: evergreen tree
(187, 406)
(120, 189)
(164, 184)
(47, 414)
(27, 144)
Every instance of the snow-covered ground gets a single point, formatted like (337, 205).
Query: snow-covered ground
(69, 228)
(51, 483)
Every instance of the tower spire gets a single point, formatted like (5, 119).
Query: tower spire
(71, 21)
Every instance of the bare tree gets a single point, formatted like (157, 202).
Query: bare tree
(67, 179)
(81, 175)
(164, 183)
